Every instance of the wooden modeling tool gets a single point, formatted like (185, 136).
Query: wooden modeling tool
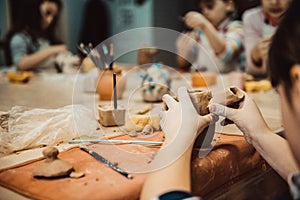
(111, 56)
(112, 116)
(115, 90)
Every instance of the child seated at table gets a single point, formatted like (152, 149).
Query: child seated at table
(32, 44)
(220, 38)
(283, 154)
(260, 23)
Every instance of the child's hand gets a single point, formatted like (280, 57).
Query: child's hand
(195, 20)
(260, 50)
(56, 49)
(248, 118)
(181, 122)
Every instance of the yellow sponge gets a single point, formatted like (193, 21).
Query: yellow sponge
(252, 86)
(138, 122)
(19, 76)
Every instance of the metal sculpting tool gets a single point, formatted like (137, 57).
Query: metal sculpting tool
(107, 162)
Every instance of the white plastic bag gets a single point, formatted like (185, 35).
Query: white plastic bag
(29, 128)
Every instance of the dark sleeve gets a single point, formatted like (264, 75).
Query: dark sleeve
(294, 183)
(177, 195)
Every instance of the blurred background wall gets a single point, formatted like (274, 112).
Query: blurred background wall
(96, 20)
(4, 21)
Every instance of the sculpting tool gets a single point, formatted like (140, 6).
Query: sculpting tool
(102, 57)
(107, 162)
(83, 51)
(104, 54)
(94, 55)
(115, 90)
(105, 50)
(111, 56)
(102, 64)
(117, 142)
(90, 45)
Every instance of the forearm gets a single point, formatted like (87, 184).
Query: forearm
(182, 63)
(31, 61)
(216, 41)
(276, 151)
(168, 178)
(252, 37)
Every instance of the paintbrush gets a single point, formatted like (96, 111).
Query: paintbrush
(83, 51)
(93, 55)
(97, 57)
(107, 162)
(104, 54)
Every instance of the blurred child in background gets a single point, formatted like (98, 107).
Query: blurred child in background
(32, 40)
(173, 181)
(216, 31)
(260, 23)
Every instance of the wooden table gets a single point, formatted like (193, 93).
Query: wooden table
(58, 90)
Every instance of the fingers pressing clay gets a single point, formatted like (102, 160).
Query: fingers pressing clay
(230, 97)
(168, 101)
(200, 99)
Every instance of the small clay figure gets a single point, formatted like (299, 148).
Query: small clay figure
(231, 98)
(155, 83)
(53, 167)
(200, 99)
(146, 55)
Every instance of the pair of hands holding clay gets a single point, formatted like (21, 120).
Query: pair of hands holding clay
(181, 117)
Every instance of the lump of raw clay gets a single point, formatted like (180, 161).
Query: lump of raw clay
(53, 167)
(231, 97)
(200, 99)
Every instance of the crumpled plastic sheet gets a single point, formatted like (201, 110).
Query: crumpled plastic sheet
(25, 128)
